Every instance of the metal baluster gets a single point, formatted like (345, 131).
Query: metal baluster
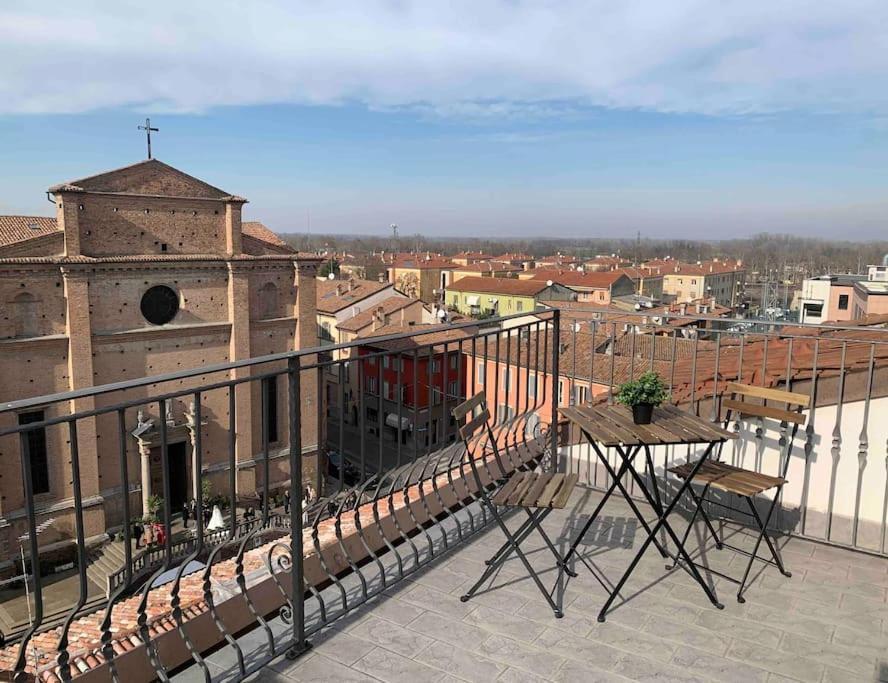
(107, 649)
(613, 355)
(836, 449)
(342, 410)
(379, 411)
(556, 353)
(64, 657)
(808, 448)
(400, 389)
(863, 444)
(714, 413)
(34, 552)
(175, 602)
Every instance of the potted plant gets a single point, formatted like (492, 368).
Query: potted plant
(643, 395)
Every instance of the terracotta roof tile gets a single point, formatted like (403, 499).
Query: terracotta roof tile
(15, 229)
(258, 231)
(498, 285)
(335, 295)
(388, 306)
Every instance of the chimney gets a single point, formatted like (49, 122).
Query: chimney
(381, 277)
(378, 318)
(338, 289)
(683, 309)
(350, 285)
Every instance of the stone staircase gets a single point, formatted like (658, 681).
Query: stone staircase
(106, 560)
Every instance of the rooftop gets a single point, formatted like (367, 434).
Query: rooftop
(579, 278)
(498, 285)
(14, 229)
(388, 306)
(335, 295)
(828, 622)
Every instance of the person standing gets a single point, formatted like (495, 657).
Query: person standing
(185, 514)
(286, 502)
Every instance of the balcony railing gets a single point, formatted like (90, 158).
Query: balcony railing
(388, 491)
(396, 491)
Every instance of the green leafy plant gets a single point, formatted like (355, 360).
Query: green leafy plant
(648, 388)
(155, 505)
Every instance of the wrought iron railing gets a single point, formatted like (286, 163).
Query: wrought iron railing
(386, 502)
(838, 477)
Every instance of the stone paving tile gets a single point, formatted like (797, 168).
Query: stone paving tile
(688, 634)
(714, 668)
(505, 597)
(520, 655)
(632, 641)
(854, 658)
(580, 649)
(511, 675)
(315, 668)
(745, 629)
(457, 633)
(461, 663)
(495, 621)
(776, 661)
(643, 669)
(576, 672)
(789, 620)
(392, 609)
(435, 601)
(851, 637)
(403, 641)
(341, 646)
(394, 668)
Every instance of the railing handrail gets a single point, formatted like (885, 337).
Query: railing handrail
(88, 392)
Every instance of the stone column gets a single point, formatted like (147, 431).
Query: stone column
(192, 434)
(145, 461)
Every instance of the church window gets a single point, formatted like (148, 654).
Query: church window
(160, 304)
(268, 300)
(25, 315)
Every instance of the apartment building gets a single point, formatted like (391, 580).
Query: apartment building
(491, 296)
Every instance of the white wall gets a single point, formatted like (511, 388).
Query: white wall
(761, 453)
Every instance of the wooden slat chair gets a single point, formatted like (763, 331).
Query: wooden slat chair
(748, 402)
(537, 493)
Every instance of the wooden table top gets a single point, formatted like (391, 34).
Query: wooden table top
(612, 425)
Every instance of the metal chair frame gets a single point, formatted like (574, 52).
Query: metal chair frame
(475, 433)
(744, 411)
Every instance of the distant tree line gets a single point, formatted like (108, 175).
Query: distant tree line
(782, 257)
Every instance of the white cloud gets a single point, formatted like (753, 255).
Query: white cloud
(462, 58)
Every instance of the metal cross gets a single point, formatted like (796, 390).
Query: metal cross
(147, 128)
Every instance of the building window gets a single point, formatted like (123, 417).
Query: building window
(504, 413)
(519, 306)
(386, 390)
(454, 361)
(385, 361)
(159, 304)
(532, 386)
(436, 365)
(843, 302)
(482, 373)
(453, 389)
(36, 439)
(268, 300)
(560, 391)
(372, 385)
(270, 392)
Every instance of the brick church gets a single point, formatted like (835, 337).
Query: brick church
(145, 270)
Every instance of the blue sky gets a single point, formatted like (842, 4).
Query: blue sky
(679, 118)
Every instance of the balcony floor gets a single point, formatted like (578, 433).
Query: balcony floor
(829, 622)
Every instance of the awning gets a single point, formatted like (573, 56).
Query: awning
(392, 421)
(473, 300)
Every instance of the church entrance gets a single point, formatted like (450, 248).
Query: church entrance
(178, 476)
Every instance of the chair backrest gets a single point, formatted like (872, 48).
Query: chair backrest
(476, 430)
(752, 401)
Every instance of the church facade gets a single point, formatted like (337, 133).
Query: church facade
(145, 271)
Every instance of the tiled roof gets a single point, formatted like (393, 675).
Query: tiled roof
(512, 257)
(335, 295)
(15, 229)
(662, 347)
(422, 262)
(488, 267)
(498, 285)
(421, 335)
(388, 306)
(579, 279)
(259, 231)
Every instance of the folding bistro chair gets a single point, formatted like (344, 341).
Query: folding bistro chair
(537, 493)
(747, 402)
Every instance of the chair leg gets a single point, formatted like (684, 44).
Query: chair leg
(778, 560)
(698, 503)
(762, 534)
(514, 547)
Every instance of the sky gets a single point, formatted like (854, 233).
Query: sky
(675, 118)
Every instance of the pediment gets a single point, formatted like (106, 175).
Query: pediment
(151, 177)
